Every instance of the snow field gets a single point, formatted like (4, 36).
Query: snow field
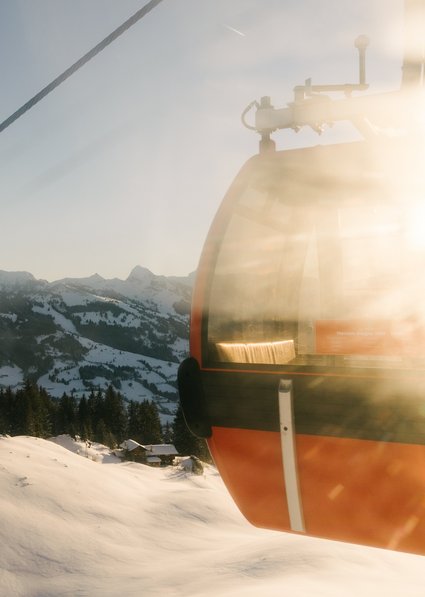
(88, 525)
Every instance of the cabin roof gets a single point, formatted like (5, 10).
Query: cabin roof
(151, 449)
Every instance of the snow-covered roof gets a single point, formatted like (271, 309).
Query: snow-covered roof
(153, 449)
(131, 444)
(162, 449)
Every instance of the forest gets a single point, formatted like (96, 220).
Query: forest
(106, 417)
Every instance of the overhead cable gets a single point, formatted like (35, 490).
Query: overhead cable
(81, 62)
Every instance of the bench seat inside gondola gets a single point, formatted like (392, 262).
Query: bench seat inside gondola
(266, 353)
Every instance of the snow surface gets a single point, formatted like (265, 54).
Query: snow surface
(86, 525)
(11, 376)
(12, 316)
(151, 369)
(60, 320)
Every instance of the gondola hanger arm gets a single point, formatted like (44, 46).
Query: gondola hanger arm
(313, 106)
(319, 111)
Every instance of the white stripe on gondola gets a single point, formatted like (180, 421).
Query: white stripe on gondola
(290, 471)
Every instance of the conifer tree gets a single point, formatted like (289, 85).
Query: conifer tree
(9, 398)
(95, 405)
(103, 435)
(114, 414)
(66, 416)
(4, 412)
(144, 425)
(167, 433)
(46, 409)
(84, 420)
(185, 442)
(151, 431)
(132, 420)
(24, 415)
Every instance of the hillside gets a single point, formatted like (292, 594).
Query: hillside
(76, 334)
(87, 525)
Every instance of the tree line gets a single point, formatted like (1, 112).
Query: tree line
(104, 416)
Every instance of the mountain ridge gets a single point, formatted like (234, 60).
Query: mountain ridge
(77, 334)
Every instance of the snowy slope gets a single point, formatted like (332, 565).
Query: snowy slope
(71, 525)
(76, 334)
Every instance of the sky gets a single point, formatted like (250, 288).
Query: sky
(88, 525)
(127, 161)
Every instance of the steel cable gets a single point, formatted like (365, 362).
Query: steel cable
(81, 62)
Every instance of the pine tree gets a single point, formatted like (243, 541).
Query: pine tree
(167, 433)
(9, 398)
(46, 412)
(114, 413)
(4, 412)
(151, 431)
(23, 417)
(132, 420)
(103, 435)
(85, 427)
(144, 425)
(32, 411)
(95, 405)
(66, 416)
(185, 442)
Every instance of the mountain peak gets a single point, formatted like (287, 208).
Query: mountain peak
(140, 274)
(15, 278)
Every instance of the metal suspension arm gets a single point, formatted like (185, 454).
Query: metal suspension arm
(414, 44)
(384, 110)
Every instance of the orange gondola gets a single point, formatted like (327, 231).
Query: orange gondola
(307, 366)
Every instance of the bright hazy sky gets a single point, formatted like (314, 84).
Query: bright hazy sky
(127, 161)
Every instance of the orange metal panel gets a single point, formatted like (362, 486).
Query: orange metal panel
(358, 491)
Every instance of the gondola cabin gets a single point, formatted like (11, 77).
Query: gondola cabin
(307, 368)
(307, 341)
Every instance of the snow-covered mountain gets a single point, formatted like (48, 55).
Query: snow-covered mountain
(80, 333)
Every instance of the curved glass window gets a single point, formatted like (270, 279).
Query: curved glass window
(320, 263)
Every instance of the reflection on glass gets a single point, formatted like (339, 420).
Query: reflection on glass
(313, 267)
(277, 353)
